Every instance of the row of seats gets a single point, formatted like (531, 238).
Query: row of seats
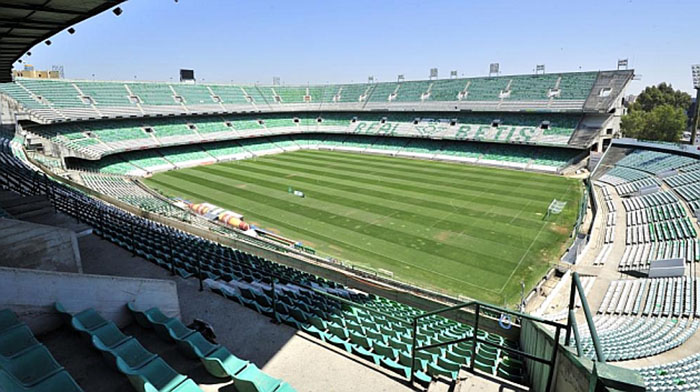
(654, 162)
(65, 93)
(26, 364)
(96, 138)
(141, 163)
(655, 296)
(625, 338)
(127, 191)
(675, 376)
(638, 257)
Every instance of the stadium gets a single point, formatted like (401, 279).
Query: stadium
(442, 234)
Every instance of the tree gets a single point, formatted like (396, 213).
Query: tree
(663, 94)
(663, 123)
(659, 113)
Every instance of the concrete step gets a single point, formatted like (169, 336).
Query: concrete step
(38, 209)
(31, 213)
(62, 221)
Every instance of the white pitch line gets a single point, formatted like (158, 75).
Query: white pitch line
(530, 247)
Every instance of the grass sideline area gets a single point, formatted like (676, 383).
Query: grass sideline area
(461, 229)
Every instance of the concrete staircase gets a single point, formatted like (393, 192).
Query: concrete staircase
(39, 210)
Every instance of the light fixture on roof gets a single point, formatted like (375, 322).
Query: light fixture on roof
(29, 53)
(71, 31)
(117, 11)
(48, 42)
(19, 61)
(696, 76)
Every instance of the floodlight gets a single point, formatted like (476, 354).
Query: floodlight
(71, 31)
(29, 53)
(117, 11)
(48, 42)
(696, 76)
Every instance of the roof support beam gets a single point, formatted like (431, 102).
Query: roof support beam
(39, 8)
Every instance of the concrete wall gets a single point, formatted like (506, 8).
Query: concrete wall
(36, 246)
(31, 294)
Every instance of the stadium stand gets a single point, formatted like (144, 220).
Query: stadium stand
(100, 138)
(52, 100)
(361, 324)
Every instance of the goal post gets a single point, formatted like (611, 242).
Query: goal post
(555, 208)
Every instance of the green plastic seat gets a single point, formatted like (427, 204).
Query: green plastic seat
(58, 382)
(15, 341)
(384, 350)
(222, 364)
(8, 319)
(108, 335)
(173, 329)
(196, 346)
(252, 379)
(88, 320)
(457, 358)
(340, 332)
(134, 355)
(336, 341)
(32, 366)
(157, 375)
(139, 316)
(436, 370)
(405, 360)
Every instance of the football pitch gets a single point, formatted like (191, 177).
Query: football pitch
(461, 229)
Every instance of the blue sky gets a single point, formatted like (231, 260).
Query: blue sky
(303, 41)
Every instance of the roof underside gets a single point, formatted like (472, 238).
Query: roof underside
(25, 23)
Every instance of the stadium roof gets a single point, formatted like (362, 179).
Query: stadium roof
(25, 23)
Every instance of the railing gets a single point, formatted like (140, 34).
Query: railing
(478, 308)
(571, 323)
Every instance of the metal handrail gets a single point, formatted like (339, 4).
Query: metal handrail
(577, 286)
(475, 337)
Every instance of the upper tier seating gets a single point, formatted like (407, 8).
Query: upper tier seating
(60, 99)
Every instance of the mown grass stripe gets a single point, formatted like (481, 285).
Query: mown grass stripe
(403, 239)
(401, 220)
(473, 183)
(387, 262)
(450, 169)
(488, 194)
(480, 213)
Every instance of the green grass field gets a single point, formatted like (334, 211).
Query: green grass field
(460, 229)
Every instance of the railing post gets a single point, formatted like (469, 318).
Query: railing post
(572, 298)
(133, 240)
(577, 338)
(413, 350)
(274, 300)
(589, 319)
(199, 274)
(477, 311)
(172, 255)
(553, 360)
